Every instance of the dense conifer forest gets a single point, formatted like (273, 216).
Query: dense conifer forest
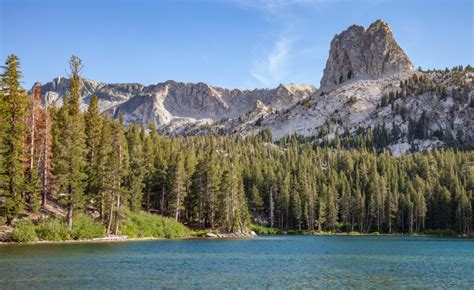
(90, 163)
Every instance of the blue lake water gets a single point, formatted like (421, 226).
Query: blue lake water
(274, 261)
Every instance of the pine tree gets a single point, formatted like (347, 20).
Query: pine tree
(93, 126)
(331, 208)
(211, 189)
(45, 153)
(284, 200)
(101, 178)
(176, 185)
(295, 206)
(256, 202)
(137, 168)
(195, 199)
(239, 208)
(149, 152)
(225, 198)
(345, 199)
(118, 164)
(70, 148)
(33, 122)
(14, 105)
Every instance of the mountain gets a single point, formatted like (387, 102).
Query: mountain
(359, 53)
(369, 86)
(171, 101)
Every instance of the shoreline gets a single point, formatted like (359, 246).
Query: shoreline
(124, 240)
(96, 240)
(120, 239)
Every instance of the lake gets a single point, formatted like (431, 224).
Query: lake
(273, 261)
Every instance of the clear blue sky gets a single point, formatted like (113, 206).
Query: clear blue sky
(230, 43)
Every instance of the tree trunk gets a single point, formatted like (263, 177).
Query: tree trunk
(162, 200)
(111, 214)
(177, 205)
(44, 189)
(32, 136)
(148, 199)
(70, 212)
(117, 216)
(271, 207)
(102, 208)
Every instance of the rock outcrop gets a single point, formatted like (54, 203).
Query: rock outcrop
(359, 53)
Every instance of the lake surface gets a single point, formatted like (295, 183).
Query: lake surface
(275, 261)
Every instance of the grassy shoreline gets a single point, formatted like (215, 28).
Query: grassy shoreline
(113, 240)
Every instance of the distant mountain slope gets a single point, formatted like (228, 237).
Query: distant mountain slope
(164, 102)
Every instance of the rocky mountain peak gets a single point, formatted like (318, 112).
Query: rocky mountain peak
(359, 53)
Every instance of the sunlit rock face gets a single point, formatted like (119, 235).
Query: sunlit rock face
(359, 53)
(170, 101)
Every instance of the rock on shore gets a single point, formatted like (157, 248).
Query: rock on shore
(244, 234)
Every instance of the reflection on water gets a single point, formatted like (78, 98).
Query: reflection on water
(275, 261)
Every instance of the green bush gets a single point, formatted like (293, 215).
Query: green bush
(174, 229)
(24, 231)
(52, 229)
(129, 228)
(199, 233)
(145, 225)
(295, 232)
(262, 230)
(85, 227)
(354, 233)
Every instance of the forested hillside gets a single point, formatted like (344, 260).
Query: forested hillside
(96, 165)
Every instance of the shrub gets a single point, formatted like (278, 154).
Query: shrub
(174, 229)
(199, 233)
(24, 231)
(295, 232)
(354, 233)
(262, 230)
(52, 229)
(352, 100)
(85, 227)
(129, 228)
(145, 225)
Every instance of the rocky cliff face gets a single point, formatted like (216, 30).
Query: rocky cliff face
(359, 53)
(442, 101)
(171, 101)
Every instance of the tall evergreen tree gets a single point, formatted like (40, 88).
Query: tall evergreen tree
(93, 126)
(118, 164)
(137, 167)
(14, 105)
(70, 149)
(176, 184)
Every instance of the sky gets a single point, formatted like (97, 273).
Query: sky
(228, 43)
